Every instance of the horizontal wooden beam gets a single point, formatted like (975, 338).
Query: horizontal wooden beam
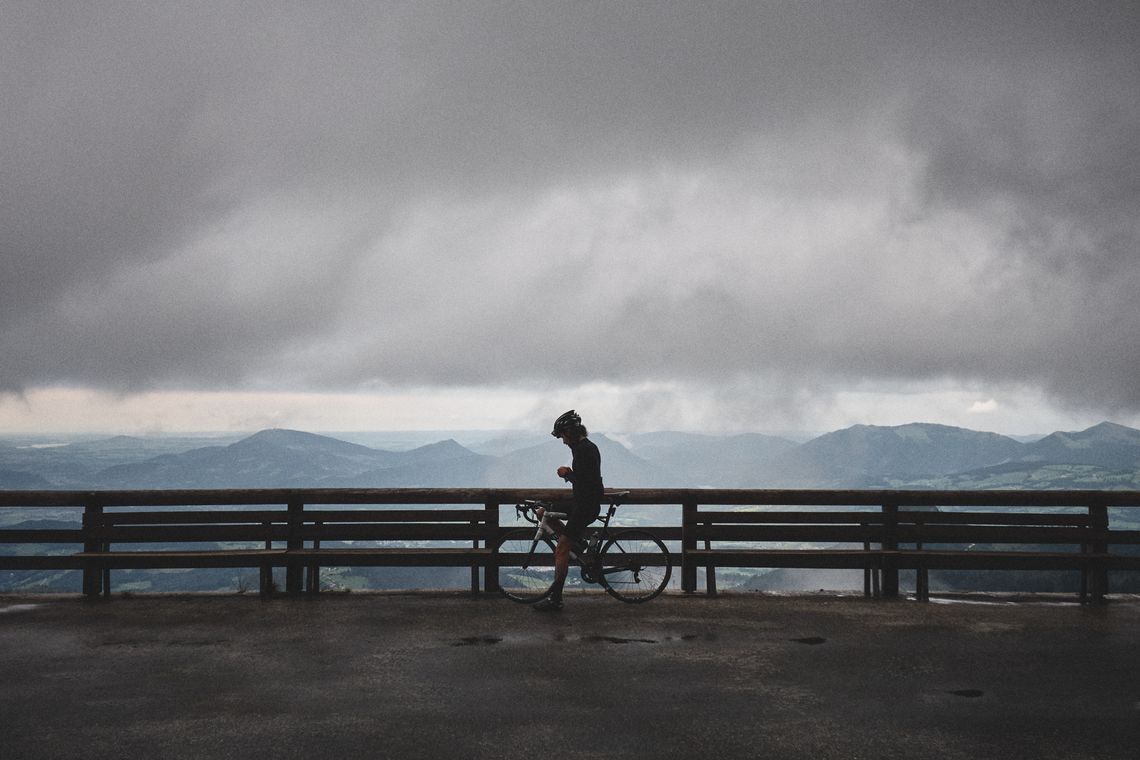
(819, 534)
(181, 560)
(984, 560)
(40, 562)
(395, 557)
(130, 534)
(774, 558)
(396, 532)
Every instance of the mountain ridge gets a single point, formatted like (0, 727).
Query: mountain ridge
(863, 455)
(921, 455)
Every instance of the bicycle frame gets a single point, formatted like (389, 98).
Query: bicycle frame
(632, 565)
(544, 528)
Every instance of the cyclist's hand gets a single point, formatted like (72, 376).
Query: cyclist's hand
(539, 512)
(564, 472)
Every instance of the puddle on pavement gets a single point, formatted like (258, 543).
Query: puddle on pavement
(562, 637)
(967, 693)
(189, 643)
(474, 641)
(618, 640)
(128, 642)
(197, 642)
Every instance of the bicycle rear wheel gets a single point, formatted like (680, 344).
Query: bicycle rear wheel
(525, 576)
(635, 566)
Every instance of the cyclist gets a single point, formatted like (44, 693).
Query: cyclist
(585, 475)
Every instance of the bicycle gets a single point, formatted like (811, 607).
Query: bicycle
(630, 564)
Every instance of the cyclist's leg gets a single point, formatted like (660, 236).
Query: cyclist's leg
(561, 564)
(553, 599)
(581, 514)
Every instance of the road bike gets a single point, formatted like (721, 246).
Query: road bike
(631, 564)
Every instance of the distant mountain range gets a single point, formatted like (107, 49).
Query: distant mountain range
(921, 456)
(917, 455)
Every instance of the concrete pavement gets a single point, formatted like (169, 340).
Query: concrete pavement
(455, 676)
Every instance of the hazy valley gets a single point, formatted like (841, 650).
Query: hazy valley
(920, 456)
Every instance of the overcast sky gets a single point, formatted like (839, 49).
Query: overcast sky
(701, 215)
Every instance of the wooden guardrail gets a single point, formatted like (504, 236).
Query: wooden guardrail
(885, 531)
(301, 530)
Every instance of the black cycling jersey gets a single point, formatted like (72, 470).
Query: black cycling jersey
(588, 489)
(587, 471)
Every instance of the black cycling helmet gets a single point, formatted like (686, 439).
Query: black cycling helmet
(568, 422)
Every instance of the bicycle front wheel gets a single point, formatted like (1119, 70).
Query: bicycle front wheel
(635, 566)
(526, 568)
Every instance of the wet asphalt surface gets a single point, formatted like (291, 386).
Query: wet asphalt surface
(456, 676)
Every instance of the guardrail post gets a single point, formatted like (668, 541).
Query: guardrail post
(890, 544)
(92, 543)
(265, 569)
(294, 573)
(491, 570)
(870, 574)
(1098, 521)
(313, 580)
(688, 543)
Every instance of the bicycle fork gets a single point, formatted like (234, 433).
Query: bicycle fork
(541, 532)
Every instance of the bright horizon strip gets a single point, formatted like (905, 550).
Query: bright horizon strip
(78, 410)
(607, 407)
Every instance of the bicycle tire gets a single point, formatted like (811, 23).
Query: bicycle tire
(635, 566)
(525, 584)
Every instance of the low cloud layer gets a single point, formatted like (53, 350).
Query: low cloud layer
(436, 194)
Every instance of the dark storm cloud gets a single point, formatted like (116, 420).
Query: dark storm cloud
(1033, 122)
(344, 194)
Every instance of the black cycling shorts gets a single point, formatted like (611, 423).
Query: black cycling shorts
(581, 514)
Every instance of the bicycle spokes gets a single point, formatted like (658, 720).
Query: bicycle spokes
(526, 565)
(636, 566)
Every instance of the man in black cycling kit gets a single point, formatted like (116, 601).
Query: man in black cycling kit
(585, 474)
